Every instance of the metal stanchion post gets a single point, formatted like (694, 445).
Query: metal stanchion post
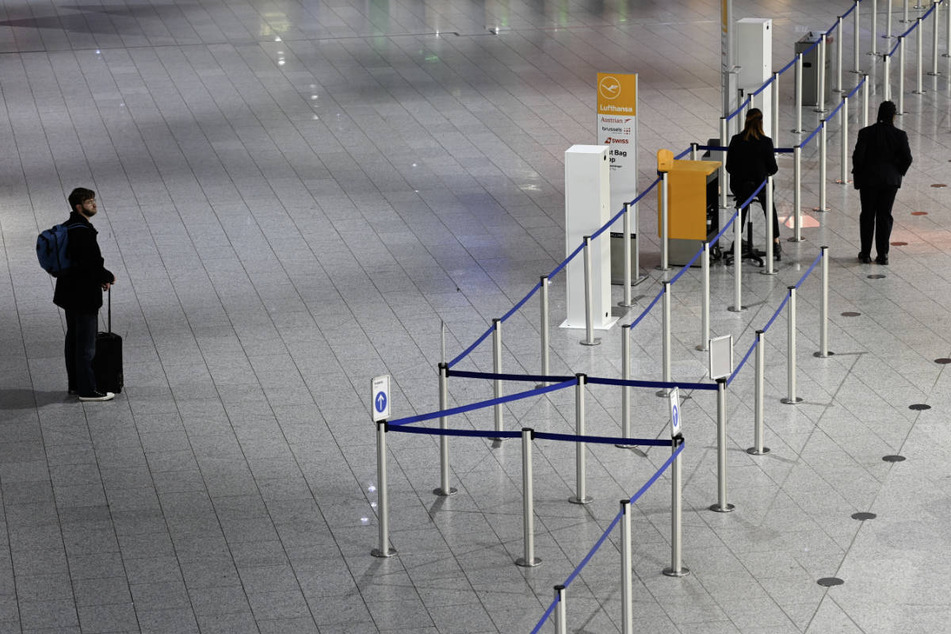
(844, 154)
(905, 19)
(665, 338)
(721, 506)
(627, 571)
(723, 175)
(383, 507)
(637, 247)
(529, 560)
(543, 319)
(838, 54)
(677, 569)
(934, 40)
(774, 100)
(822, 74)
(865, 100)
(873, 49)
(442, 341)
(797, 194)
(758, 408)
(856, 68)
(738, 261)
(580, 447)
(888, 20)
(798, 129)
(497, 369)
(769, 227)
(791, 398)
(693, 151)
(887, 80)
(589, 339)
(626, 236)
(664, 222)
(822, 166)
(561, 611)
(947, 39)
(704, 296)
(824, 306)
(919, 56)
(625, 376)
(901, 75)
(444, 488)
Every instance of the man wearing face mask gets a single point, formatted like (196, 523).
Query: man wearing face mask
(79, 293)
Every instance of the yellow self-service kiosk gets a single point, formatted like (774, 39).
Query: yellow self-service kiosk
(693, 208)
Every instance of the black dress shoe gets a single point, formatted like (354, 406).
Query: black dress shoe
(882, 259)
(864, 259)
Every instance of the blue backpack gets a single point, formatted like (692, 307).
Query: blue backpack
(52, 248)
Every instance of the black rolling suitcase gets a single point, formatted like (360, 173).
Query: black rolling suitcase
(107, 364)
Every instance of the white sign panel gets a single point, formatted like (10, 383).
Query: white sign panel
(674, 396)
(380, 396)
(721, 357)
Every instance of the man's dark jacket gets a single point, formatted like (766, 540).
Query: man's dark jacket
(881, 156)
(80, 289)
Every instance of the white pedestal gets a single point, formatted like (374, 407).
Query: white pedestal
(754, 56)
(587, 209)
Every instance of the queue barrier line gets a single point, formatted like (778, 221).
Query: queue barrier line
(614, 522)
(593, 380)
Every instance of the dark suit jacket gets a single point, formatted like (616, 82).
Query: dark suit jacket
(80, 288)
(750, 162)
(881, 156)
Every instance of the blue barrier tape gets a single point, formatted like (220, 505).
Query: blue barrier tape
(471, 433)
(545, 616)
(663, 467)
(686, 267)
(787, 66)
(894, 49)
(924, 16)
(683, 154)
(602, 440)
(713, 148)
(834, 111)
(594, 549)
(645, 192)
(468, 350)
(658, 384)
(809, 50)
(806, 274)
(846, 14)
(749, 201)
(745, 358)
(521, 303)
(565, 262)
(647, 310)
(537, 378)
(810, 137)
(726, 226)
(763, 87)
(776, 314)
(856, 89)
(481, 404)
(784, 150)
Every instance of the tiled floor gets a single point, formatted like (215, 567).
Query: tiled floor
(295, 195)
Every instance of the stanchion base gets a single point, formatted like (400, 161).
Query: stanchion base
(839, 181)
(785, 400)
(440, 492)
(664, 393)
(670, 572)
(701, 347)
(795, 239)
(796, 131)
(820, 110)
(918, 92)
(585, 342)
(819, 355)
(820, 209)
(734, 309)
(753, 451)
(767, 272)
(376, 552)
(930, 74)
(722, 509)
(524, 563)
(499, 440)
(574, 499)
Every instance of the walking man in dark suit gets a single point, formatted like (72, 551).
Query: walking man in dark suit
(880, 159)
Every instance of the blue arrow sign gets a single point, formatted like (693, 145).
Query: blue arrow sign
(380, 402)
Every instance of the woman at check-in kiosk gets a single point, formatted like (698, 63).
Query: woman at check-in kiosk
(749, 160)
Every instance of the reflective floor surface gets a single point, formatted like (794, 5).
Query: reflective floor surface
(295, 196)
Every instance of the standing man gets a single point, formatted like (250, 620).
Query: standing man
(79, 293)
(880, 159)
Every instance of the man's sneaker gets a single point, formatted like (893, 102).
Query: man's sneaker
(98, 396)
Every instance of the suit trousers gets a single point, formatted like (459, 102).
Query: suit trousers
(80, 349)
(876, 218)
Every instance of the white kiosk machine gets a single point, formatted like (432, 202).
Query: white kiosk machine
(754, 57)
(587, 200)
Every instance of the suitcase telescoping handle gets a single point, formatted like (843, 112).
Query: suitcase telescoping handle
(109, 311)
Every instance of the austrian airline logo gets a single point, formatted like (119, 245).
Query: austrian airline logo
(610, 87)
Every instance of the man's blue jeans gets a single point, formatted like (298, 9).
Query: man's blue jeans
(80, 349)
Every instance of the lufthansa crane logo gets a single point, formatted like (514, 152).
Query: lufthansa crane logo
(610, 87)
